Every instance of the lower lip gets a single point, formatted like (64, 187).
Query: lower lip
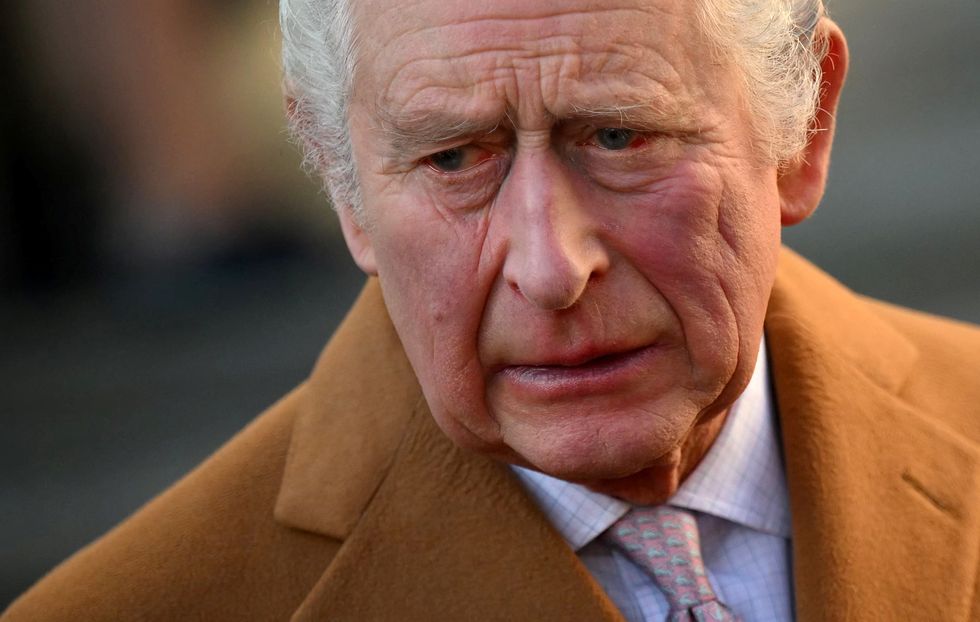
(603, 375)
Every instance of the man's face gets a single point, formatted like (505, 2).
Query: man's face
(573, 238)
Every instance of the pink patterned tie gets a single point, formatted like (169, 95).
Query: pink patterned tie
(664, 541)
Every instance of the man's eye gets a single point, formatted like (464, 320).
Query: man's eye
(457, 159)
(615, 138)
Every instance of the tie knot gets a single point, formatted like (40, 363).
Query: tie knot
(664, 542)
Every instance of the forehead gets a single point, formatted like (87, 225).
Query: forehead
(531, 58)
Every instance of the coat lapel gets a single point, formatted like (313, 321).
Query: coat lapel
(884, 498)
(451, 536)
(358, 402)
(430, 531)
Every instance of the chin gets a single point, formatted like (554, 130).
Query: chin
(586, 453)
(652, 486)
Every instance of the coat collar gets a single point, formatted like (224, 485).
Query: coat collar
(359, 399)
(366, 460)
(884, 498)
(470, 545)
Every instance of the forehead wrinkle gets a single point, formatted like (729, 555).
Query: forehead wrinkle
(469, 57)
(424, 116)
(482, 81)
(563, 75)
(500, 28)
(508, 20)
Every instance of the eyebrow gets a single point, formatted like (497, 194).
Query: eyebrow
(650, 115)
(412, 133)
(409, 134)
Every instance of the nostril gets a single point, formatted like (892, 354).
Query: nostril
(514, 286)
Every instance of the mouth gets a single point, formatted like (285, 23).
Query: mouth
(580, 375)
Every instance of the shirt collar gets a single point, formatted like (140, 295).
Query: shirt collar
(740, 479)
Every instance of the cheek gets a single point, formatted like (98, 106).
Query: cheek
(706, 226)
(673, 232)
(704, 239)
(435, 285)
(428, 268)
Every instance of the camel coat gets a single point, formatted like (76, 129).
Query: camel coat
(345, 502)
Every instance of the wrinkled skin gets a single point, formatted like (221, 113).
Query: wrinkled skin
(573, 235)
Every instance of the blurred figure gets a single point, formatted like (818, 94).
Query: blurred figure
(154, 221)
(179, 126)
(50, 212)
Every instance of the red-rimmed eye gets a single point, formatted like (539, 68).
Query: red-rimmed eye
(457, 159)
(617, 138)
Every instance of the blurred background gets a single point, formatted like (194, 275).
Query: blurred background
(167, 271)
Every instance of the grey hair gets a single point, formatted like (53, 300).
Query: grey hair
(776, 47)
(319, 55)
(773, 41)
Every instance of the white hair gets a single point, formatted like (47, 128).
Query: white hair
(778, 52)
(773, 43)
(319, 54)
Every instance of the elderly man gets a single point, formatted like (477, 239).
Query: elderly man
(555, 401)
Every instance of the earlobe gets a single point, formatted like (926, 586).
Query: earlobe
(801, 183)
(358, 241)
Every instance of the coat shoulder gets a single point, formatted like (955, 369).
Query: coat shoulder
(928, 361)
(945, 378)
(953, 338)
(208, 548)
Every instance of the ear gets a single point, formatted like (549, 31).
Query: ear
(358, 241)
(801, 184)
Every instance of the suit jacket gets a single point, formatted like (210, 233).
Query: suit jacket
(345, 502)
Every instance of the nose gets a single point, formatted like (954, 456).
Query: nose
(553, 250)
